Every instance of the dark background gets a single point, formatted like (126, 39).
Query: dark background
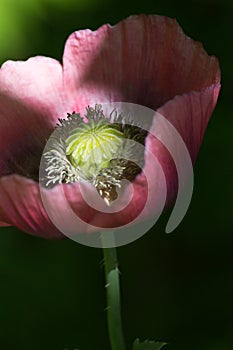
(176, 288)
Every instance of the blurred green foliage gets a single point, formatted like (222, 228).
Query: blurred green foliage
(23, 20)
(176, 288)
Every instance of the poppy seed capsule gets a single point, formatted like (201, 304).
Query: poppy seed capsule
(94, 149)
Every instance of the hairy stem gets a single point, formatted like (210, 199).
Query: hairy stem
(113, 292)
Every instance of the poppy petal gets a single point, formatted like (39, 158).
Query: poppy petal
(21, 206)
(144, 59)
(190, 114)
(31, 100)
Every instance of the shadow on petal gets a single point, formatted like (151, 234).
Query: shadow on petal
(21, 206)
(31, 100)
(146, 60)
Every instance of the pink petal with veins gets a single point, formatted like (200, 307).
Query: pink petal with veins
(31, 100)
(190, 114)
(21, 206)
(144, 59)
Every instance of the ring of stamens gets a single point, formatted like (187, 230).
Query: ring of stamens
(93, 149)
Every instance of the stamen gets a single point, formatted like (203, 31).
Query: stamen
(94, 149)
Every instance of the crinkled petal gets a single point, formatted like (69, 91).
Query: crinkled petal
(31, 100)
(38, 210)
(144, 59)
(190, 114)
(21, 206)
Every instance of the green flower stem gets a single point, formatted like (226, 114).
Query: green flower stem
(113, 293)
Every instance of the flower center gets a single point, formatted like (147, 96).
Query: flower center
(91, 146)
(94, 149)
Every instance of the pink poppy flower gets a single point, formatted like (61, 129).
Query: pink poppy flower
(145, 60)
